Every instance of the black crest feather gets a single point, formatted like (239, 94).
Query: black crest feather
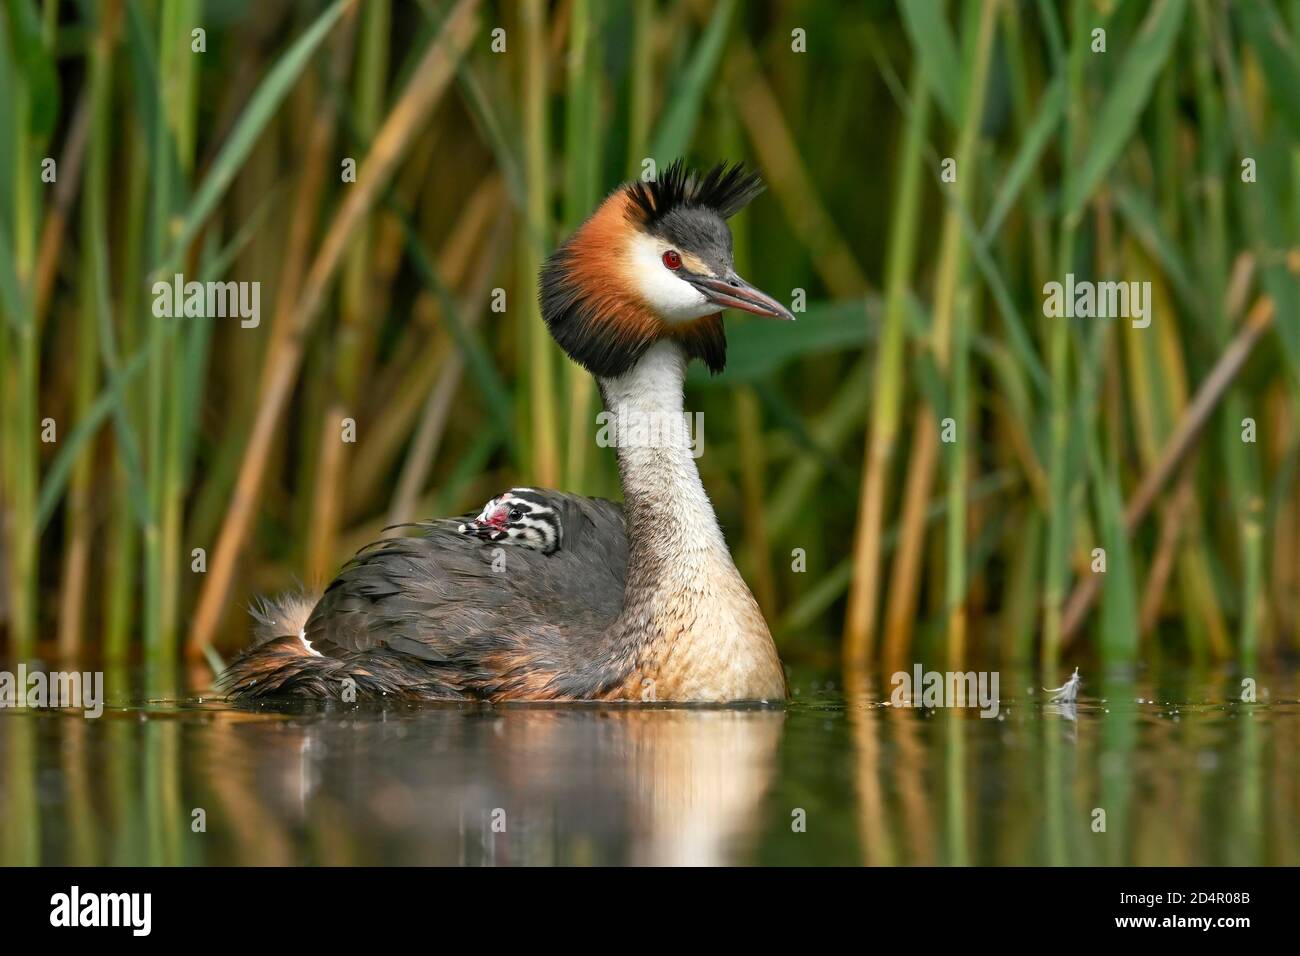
(726, 189)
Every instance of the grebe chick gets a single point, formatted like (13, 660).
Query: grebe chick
(523, 516)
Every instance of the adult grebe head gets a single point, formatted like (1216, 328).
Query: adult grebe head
(653, 262)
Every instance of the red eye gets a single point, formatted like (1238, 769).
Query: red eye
(672, 259)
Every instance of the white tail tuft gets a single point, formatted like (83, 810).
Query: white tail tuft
(282, 616)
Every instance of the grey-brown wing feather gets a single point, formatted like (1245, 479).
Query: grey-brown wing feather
(450, 599)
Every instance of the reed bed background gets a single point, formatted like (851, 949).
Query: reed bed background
(404, 303)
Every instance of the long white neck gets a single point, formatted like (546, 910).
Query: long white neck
(667, 507)
(688, 621)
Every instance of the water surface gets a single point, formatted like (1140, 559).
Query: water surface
(1184, 772)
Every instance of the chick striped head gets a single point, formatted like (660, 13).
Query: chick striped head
(521, 516)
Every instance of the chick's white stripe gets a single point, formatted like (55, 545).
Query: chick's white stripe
(538, 527)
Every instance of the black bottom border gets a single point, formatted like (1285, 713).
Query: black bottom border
(335, 906)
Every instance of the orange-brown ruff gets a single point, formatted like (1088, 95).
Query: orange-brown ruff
(641, 602)
(611, 326)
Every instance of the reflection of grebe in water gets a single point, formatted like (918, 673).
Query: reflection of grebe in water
(518, 785)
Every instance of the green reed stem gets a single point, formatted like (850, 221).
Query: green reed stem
(1060, 516)
(886, 406)
(541, 351)
(130, 490)
(22, 451)
(953, 323)
(581, 193)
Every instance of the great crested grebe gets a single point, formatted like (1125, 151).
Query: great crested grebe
(635, 603)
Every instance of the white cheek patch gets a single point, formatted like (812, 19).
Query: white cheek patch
(674, 299)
